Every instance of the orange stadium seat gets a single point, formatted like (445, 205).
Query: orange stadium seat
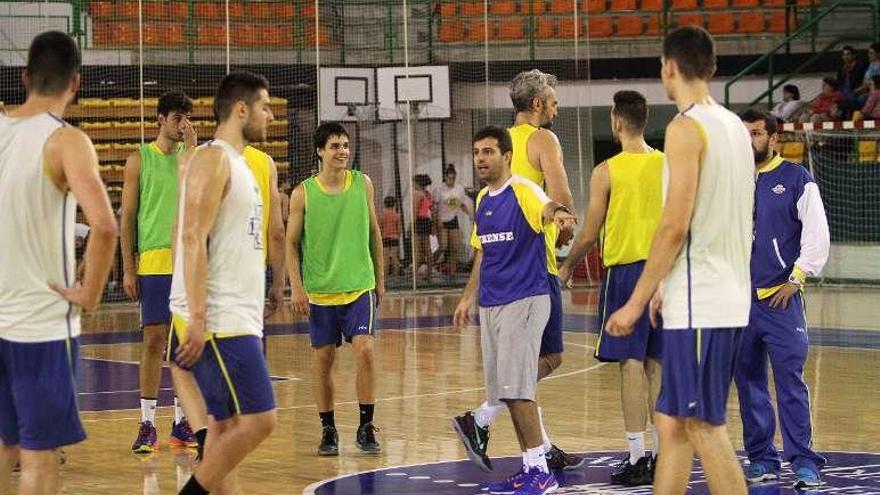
(689, 20)
(324, 35)
(451, 30)
(280, 35)
(283, 11)
(510, 29)
(476, 31)
(599, 27)
(653, 28)
(545, 28)
(155, 10)
(630, 25)
(716, 4)
(471, 8)
(448, 9)
(593, 6)
(652, 5)
(807, 3)
(246, 34)
(777, 22)
(107, 33)
(566, 29)
(502, 7)
(308, 11)
(745, 4)
(236, 10)
(751, 22)
(258, 10)
(178, 10)
(683, 4)
(208, 11)
(623, 5)
(774, 3)
(101, 8)
(561, 6)
(170, 34)
(127, 10)
(534, 7)
(211, 34)
(721, 23)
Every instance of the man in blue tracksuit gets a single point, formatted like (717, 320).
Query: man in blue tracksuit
(791, 241)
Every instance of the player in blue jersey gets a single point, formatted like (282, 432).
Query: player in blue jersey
(510, 271)
(791, 241)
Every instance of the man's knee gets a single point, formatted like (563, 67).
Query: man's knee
(324, 357)
(262, 424)
(700, 432)
(155, 339)
(363, 351)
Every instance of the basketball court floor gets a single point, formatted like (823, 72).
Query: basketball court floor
(428, 372)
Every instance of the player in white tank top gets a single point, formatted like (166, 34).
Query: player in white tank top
(235, 281)
(217, 290)
(46, 166)
(701, 254)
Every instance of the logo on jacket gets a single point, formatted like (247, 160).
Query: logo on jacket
(778, 189)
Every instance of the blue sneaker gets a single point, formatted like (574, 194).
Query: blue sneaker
(182, 435)
(757, 472)
(511, 484)
(538, 483)
(806, 477)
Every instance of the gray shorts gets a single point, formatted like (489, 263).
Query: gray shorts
(511, 340)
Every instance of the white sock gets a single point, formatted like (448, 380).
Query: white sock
(636, 443)
(656, 440)
(485, 414)
(536, 459)
(525, 461)
(546, 439)
(148, 410)
(179, 415)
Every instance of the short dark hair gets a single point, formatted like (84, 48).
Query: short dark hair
(693, 50)
(848, 48)
(875, 46)
(174, 101)
(791, 88)
(235, 87)
(53, 60)
(326, 130)
(499, 133)
(450, 169)
(754, 115)
(831, 82)
(390, 201)
(422, 180)
(632, 107)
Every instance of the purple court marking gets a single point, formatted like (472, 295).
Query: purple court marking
(847, 473)
(107, 385)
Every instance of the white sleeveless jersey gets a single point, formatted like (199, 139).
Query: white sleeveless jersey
(709, 285)
(235, 273)
(36, 237)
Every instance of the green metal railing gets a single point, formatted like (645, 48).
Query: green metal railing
(808, 29)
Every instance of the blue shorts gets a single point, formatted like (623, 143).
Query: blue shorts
(38, 394)
(233, 377)
(698, 368)
(329, 324)
(155, 292)
(551, 340)
(645, 341)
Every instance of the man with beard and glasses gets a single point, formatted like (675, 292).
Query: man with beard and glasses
(537, 157)
(217, 294)
(791, 241)
(149, 206)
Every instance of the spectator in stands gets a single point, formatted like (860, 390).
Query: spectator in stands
(872, 70)
(871, 109)
(791, 105)
(389, 225)
(826, 106)
(851, 72)
(423, 213)
(452, 200)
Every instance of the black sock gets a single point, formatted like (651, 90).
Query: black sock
(200, 439)
(366, 413)
(192, 487)
(327, 419)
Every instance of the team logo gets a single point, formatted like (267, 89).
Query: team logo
(778, 189)
(847, 473)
